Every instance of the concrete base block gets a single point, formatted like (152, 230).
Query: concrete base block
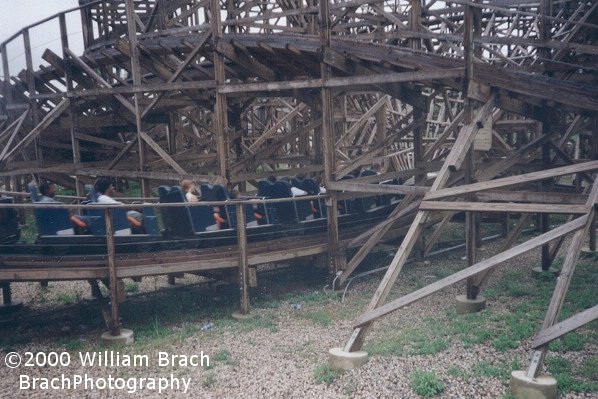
(340, 360)
(537, 271)
(10, 308)
(242, 316)
(89, 297)
(542, 387)
(124, 338)
(464, 305)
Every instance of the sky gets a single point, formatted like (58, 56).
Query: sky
(16, 14)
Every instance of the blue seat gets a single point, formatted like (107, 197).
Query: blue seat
(285, 210)
(97, 222)
(215, 192)
(50, 221)
(177, 221)
(9, 223)
(150, 222)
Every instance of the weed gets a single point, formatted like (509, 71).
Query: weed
(209, 379)
(485, 369)
(429, 347)
(568, 383)
(426, 383)
(319, 317)
(74, 345)
(67, 298)
(504, 342)
(570, 342)
(589, 368)
(324, 374)
(458, 372)
(224, 357)
(131, 287)
(155, 330)
(558, 365)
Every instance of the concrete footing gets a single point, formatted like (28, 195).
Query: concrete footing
(124, 338)
(340, 360)
(9, 308)
(242, 316)
(464, 305)
(537, 271)
(542, 387)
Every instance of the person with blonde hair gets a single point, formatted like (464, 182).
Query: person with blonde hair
(190, 190)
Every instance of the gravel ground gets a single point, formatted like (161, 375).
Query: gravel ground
(275, 354)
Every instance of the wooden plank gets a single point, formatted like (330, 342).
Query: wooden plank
(243, 260)
(555, 331)
(92, 74)
(502, 207)
(512, 180)
(531, 196)
(114, 310)
(376, 233)
(491, 262)
(400, 77)
(377, 188)
(36, 131)
(163, 154)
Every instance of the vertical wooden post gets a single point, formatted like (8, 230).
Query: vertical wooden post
(414, 22)
(243, 261)
(6, 293)
(136, 72)
(594, 138)
(334, 251)
(7, 87)
(220, 107)
(114, 310)
(75, 149)
(471, 227)
(545, 186)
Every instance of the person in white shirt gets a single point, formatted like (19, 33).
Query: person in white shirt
(105, 189)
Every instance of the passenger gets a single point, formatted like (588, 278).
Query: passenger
(105, 189)
(322, 188)
(48, 192)
(190, 191)
(296, 191)
(235, 195)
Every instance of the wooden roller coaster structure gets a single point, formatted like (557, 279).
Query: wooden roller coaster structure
(487, 106)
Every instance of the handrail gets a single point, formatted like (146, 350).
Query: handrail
(95, 205)
(57, 15)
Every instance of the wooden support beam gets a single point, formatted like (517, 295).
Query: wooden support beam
(243, 259)
(37, 130)
(417, 191)
(491, 262)
(556, 331)
(511, 181)
(503, 207)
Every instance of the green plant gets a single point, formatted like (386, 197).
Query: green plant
(429, 347)
(504, 342)
(319, 317)
(324, 374)
(567, 383)
(426, 383)
(558, 365)
(458, 372)
(589, 368)
(208, 379)
(485, 369)
(131, 286)
(67, 298)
